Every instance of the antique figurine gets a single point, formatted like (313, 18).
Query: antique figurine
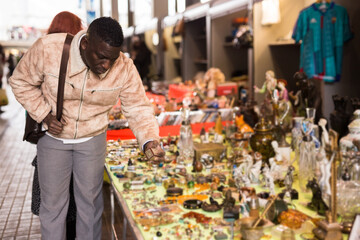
(317, 203)
(269, 180)
(277, 164)
(230, 211)
(325, 135)
(212, 78)
(289, 192)
(268, 88)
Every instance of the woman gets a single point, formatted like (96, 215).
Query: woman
(63, 22)
(2, 62)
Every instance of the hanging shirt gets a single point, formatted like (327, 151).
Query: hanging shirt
(323, 33)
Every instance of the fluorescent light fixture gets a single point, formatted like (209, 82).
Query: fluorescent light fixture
(128, 32)
(171, 20)
(204, 1)
(196, 12)
(228, 7)
(151, 25)
(181, 5)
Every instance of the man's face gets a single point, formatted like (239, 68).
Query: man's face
(97, 54)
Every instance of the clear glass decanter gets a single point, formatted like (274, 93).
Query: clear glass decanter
(185, 144)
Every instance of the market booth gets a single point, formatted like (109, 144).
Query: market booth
(254, 147)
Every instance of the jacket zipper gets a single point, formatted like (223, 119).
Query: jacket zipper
(81, 102)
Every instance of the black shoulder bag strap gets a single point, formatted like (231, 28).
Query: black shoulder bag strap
(62, 75)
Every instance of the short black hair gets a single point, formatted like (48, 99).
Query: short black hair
(108, 30)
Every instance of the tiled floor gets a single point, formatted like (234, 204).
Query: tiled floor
(16, 173)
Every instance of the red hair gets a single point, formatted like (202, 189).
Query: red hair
(65, 22)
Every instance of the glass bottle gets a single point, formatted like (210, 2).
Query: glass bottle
(307, 161)
(185, 144)
(296, 136)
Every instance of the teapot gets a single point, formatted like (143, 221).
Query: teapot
(261, 140)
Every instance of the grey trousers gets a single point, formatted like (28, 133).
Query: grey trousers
(56, 162)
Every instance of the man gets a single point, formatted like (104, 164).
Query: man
(97, 75)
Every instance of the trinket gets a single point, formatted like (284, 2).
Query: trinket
(192, 204)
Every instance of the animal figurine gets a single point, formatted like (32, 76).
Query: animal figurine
(241, 125)
(317, 203)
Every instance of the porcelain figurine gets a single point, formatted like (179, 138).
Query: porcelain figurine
(325, 135)
(268, 87)
(325, 169)
(255, 172)
(241, 175)
(346, 143)
(269, 180)
(241, 125)
(277, 164)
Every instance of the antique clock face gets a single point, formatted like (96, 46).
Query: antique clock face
(276, 208)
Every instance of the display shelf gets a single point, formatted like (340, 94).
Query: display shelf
(228, 57)
(195, 47)
(283, 43)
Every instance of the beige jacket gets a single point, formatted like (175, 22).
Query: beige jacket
(88, 98)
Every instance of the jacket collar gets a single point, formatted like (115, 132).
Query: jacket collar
(77, 65)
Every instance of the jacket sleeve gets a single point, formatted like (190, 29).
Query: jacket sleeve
(137, 109)
(26, 82)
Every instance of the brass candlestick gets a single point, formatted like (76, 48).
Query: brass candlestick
(329, 229)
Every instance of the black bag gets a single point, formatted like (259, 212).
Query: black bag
(33, 129)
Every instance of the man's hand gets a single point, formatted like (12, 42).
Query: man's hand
(54, 126)
(154, 152)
